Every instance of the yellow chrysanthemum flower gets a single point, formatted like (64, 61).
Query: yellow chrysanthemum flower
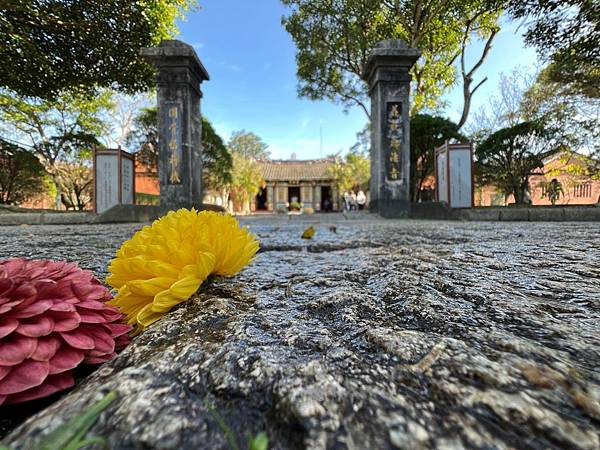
(163, 264)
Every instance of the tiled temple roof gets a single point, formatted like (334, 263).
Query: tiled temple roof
(296, 170)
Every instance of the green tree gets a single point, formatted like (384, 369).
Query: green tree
(426, 133)
(143, 138)
(51, 46)
(508, 157)
(246, 179)
(351, 172)
(76, 179)
(334, 40)
(217, 162)
(216, 159)
(62, 130)
(572, 117)
(553, 190)
(21, 174)
(567, 34)
(248, 145)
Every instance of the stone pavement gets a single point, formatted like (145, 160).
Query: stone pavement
(380, 335)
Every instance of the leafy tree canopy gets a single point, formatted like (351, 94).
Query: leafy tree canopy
(216, 159)
(51, 46)
(334, 40)
(248, 144)
(56, 129)
(246, 178)
(426, 133)
(143, 138)
(511, 155)
(567, 33)
(21, 174)
(352, 172)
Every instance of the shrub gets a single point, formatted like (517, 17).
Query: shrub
(21, 174)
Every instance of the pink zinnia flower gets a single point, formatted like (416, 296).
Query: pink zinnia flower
(53, 317)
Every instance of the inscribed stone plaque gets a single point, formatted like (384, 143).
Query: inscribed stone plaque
(442, 181)
(173, 120)
(127, 181)
(461, 186)
(107, 182)
(394, 136)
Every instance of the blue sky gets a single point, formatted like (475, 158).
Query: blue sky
(251, 62)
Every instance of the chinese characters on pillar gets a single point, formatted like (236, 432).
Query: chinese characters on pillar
(173, 134)
(394, 135)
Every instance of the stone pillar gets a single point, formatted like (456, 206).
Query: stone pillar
(386, 73)
(179, 73)
(317, 197)
(270, 199)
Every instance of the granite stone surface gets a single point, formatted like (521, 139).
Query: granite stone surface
(373, 335)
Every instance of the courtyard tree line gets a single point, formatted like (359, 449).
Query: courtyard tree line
(557, 109)
(68, 67)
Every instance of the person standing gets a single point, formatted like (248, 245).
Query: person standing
(361, 199)
(347, 201)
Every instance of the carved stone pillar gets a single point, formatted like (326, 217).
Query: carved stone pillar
(387, 73)
(179, 73)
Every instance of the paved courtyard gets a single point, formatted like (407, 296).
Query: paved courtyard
(374, 334)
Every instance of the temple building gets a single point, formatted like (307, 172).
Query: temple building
(289, 183)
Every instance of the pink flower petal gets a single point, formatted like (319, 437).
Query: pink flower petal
(121, 342)
(86, 291)
(36, 326)
(112, 316)
(2, 399)
(25, 292)
(62, 306)
(4, 371)
(46, 348)
(32, 310)
(64, 321)
(7, 307)
(7, 326)
(6, 284)
(13, 266)
(66, 358)
(24, 376)
(78, 339)
(89, 316)
(99, 359)
(14, 349)
(52, 384)
(118, 329)
(92, 304)
(103, 341)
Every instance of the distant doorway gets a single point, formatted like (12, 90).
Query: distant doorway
(294, 195)
(326, 202)
(261, 199)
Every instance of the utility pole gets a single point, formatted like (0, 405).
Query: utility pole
(321, 138)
